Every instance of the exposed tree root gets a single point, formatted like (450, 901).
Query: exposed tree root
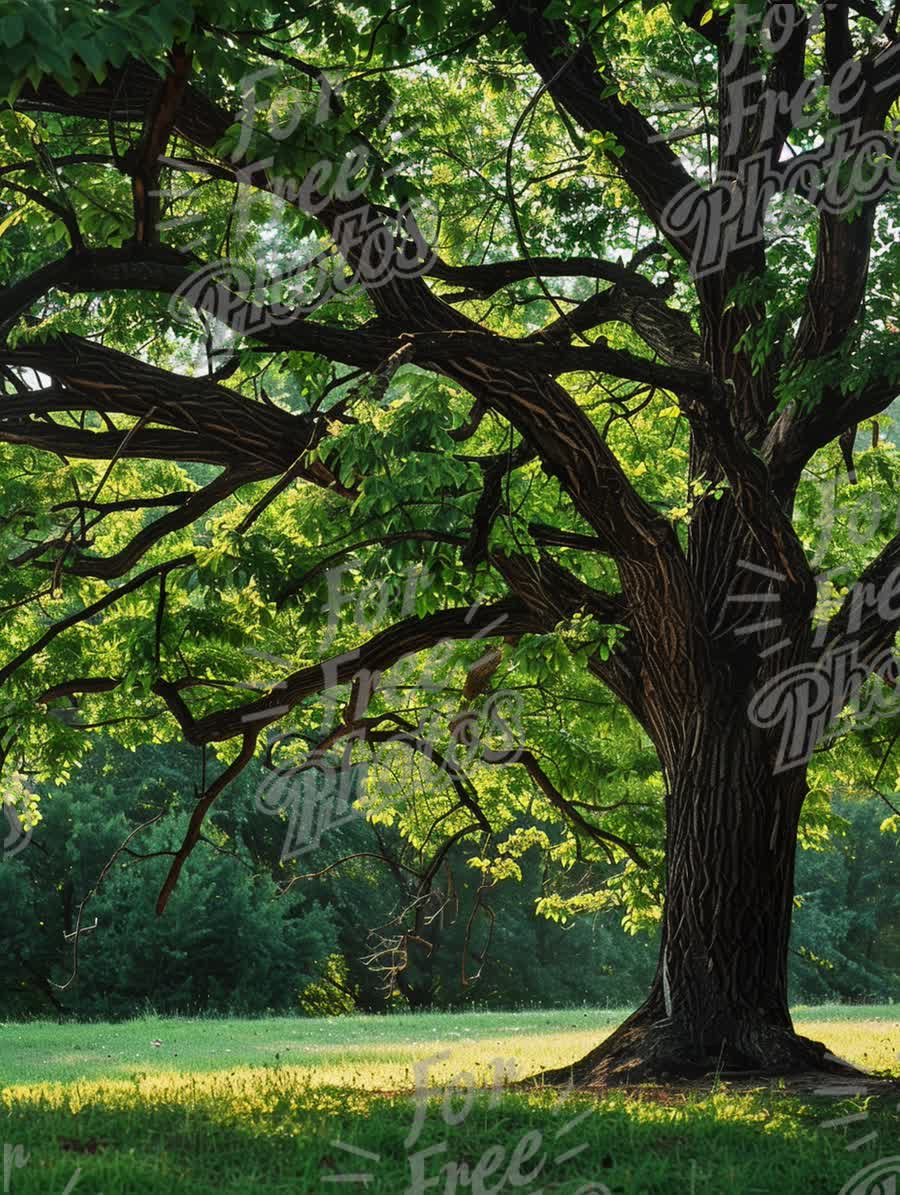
(647, 1050)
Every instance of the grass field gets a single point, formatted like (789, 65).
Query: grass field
(299, 1105)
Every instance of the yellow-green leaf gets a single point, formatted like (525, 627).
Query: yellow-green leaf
(12, 219)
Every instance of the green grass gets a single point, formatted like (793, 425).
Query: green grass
(236, 1105)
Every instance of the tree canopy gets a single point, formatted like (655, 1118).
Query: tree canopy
(455, 390)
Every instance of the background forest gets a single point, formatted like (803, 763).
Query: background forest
(244, 934)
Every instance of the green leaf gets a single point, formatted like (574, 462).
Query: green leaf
(12, 219)
(12, 28)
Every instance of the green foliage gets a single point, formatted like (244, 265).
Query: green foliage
(275, 586)
(77, 42)
(845, 933)
(226, 942)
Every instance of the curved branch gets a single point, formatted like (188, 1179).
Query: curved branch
(193, 508)
(88, 611)
(485, 280)
(380, 652)
(192, 837)
(649, 166)
(667, 331)
(604, 837)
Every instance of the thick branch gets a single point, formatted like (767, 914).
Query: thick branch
(383, 650)
(144, 163)
(667, 331)
(164, 271)
(797, 435)
(256, 435)
(869, 617)
(485, 280)
(649, 166)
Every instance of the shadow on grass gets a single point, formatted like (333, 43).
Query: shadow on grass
(269, 1130)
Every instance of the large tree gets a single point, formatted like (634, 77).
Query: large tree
(555, 300)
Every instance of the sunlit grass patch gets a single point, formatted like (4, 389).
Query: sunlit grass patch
(872, 1045)
(262, 1119)
(373, 1053)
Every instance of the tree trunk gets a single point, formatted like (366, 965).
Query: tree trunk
(719, 1000)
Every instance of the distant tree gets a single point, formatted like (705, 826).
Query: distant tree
(846, 938)
(229, 945)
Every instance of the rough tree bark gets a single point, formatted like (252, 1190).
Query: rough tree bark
(719, 1000)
